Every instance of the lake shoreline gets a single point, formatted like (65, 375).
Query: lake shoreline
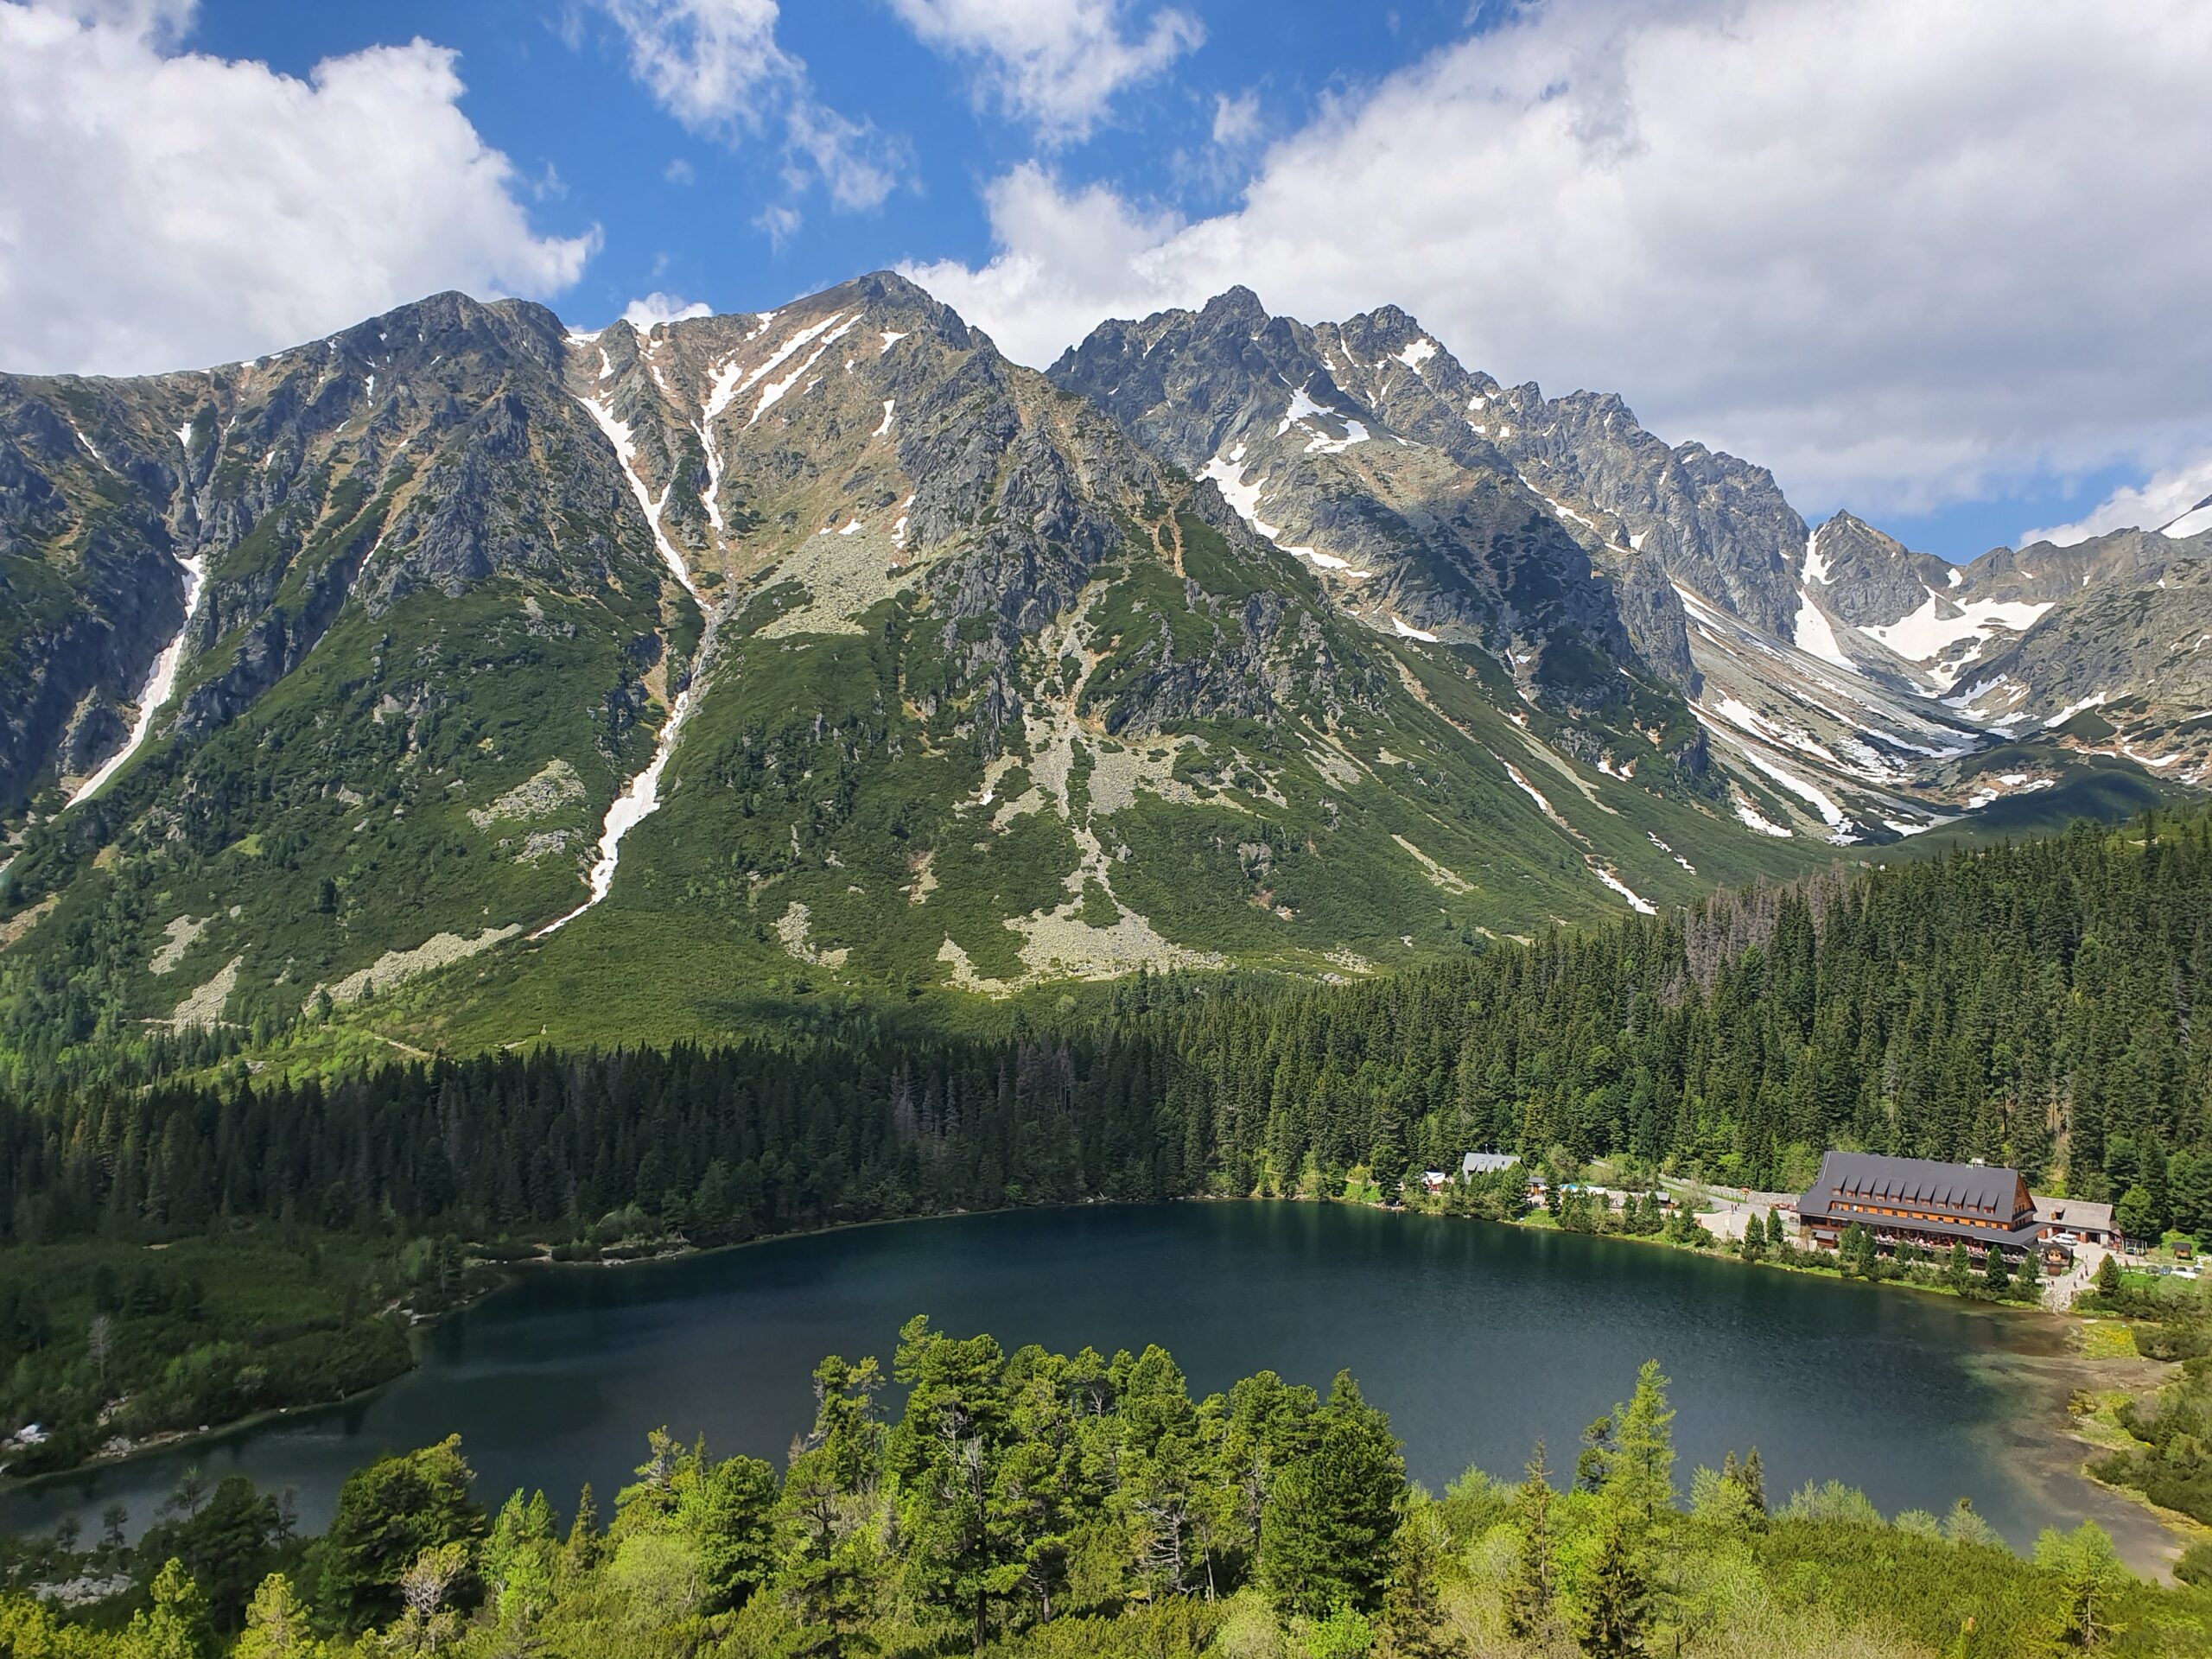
(501, 1274)
(498, 1275)
(2040, 1444)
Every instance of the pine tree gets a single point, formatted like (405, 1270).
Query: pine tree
(1849, 1256)
(1596, 1457)
(1752, 1475)
(276, 1624)
(1327, 1529)
(176, 1626)
(944, 1458)
(1531, 1590)
(827, 1509)
(1615, 1608)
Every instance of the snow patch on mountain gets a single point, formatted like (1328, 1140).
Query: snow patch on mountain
(1925, 635)
(633, 807)
(1642, 906)
(1813, 635)
(161, 681)
(2094, 700)
(775, 390)
(1301, 407)
(625, 451)
(2196, 521)
(1752, 818)
(1816, 568)
(1228, 476)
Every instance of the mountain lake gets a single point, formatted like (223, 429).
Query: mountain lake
(1477, 1337)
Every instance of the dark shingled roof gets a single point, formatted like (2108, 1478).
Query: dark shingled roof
(1984, 1198)
(1866, 1175)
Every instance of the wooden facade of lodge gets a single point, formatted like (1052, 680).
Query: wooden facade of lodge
(1917, 1201)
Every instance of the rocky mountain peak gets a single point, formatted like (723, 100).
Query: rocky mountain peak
(1344, 445)
(1234, 637)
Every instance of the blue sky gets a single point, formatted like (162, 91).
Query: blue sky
(1939, 263)
(549, 84)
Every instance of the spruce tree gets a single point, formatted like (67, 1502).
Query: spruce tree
(1957, 1272)
(1753, 1475)
(1327, 1530)
(1412, 1621)
(581, 1552)
(1615, 1607)
(2108, 1275)
(1530, 1592)
(1592, 1463)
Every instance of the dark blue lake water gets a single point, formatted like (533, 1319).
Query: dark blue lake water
(1476, 1338)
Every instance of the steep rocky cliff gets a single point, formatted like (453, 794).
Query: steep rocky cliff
(460, 677)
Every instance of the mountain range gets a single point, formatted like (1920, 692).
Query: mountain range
(460, 679)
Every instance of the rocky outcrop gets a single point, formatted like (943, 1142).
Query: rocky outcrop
(438, 438)
(1332, 444)
(1864, 578)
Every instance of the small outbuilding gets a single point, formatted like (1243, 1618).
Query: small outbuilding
(2088, 1224)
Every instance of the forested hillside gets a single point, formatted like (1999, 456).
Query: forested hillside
(2032, 1004)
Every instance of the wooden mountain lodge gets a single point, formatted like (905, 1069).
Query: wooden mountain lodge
(1917, 1201)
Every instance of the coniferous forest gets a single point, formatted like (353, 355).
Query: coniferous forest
(1050, 1505)
(2033, 1004)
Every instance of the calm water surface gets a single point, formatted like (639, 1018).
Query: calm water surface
(1476, 1338)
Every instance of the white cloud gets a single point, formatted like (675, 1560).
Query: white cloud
(780, 222)
(159, 212)
(1068, 262)
(1056, 64)
(2158, 502)
(1235, 120)
(659, 308)
(1897, 249)
(716, 66)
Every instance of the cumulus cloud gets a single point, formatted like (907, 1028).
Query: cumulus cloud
(659, 308)
(2165, 497)
(1900, 250)
(1056, 64)
(716, 66)
(1067, 260)
(160, 211)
